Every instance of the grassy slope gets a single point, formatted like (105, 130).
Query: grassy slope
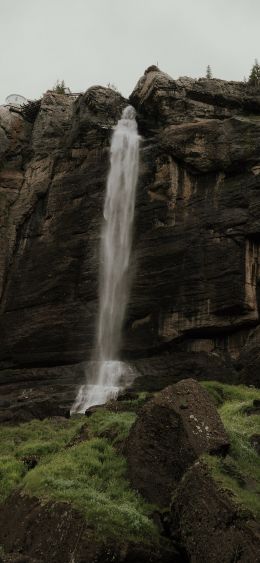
(91, 474)
(239, 472)
(36, 438)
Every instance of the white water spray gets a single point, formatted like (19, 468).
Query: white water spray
(116, 243)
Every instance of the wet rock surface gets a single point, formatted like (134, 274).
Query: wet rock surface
(172, 430)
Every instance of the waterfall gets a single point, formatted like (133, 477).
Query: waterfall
(108, 374)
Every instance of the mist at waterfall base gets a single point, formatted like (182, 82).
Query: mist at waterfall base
(107, 374)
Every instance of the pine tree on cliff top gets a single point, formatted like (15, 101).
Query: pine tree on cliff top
(254, 77)
(209, 72)
(60, 87)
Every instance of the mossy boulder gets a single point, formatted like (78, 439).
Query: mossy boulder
(211, 526)
(171, 432)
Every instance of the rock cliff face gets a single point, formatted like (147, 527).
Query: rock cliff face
(195, 293)
(203, 169)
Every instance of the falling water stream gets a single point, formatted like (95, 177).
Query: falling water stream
(108, 374)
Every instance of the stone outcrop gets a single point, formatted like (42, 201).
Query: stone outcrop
(171, 432)
(161, 100)
(211, 526)
(198, 258)
(34, 531)
(195, 290)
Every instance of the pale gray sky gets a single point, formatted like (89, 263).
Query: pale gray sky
(87, 42)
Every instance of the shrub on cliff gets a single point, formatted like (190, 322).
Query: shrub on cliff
(60, 87)
(254, 77)
(209, 72)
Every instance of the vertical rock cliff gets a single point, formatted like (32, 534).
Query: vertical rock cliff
(194, 306)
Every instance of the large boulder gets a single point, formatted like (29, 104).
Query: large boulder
(171, 432)
(211, 527)
(55, 532)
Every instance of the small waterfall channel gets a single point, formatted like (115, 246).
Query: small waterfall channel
(108, 374)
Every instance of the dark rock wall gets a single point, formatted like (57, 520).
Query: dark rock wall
(198, 217)
(48, 302)
(196, 249)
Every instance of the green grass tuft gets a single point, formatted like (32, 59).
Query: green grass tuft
(113, 425)
(36, 438)
(11, 473)
(222, 392)
(239, 472)
(92, 477)
(135, 404)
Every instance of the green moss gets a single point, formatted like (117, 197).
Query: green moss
(222, 392)
(115, 425)
(227, 474)
(92, 477)
(239, 472)
(42, 439)
(36, 438)
(11, 473)
(215, 391)
(142, 398)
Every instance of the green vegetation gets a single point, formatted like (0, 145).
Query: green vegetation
(11, 473)
(254, 77)
(222, 392)
(90, 474)
(134, 404)
(36, 438)
(113, 425)
(239, 472)
(60, 87)
(209, 72)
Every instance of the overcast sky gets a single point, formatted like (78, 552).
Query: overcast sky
(87, 42)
